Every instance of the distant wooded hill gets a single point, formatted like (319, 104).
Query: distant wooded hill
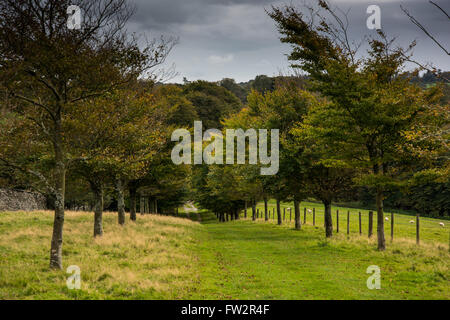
(263, 83)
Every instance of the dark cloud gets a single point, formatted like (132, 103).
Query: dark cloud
(236, 38)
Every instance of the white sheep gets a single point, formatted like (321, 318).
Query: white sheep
(387, 219)
(309, 210)
(411, 221)
(441, 224)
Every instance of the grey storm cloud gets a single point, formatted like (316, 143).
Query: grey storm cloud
(236, 38)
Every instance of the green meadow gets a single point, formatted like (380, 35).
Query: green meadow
(193, 256)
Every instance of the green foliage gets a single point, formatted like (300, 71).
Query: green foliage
(179, 111)
(238, 90)
(262, 84)
(114, 136)
(212, 102)
(375, 120)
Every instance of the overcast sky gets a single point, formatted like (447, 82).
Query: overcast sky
(236, 38)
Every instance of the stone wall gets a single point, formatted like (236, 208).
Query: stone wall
(13, 200)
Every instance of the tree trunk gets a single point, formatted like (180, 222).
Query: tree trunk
(328, 219)
(245, 210)
(280, 221)
(380, 221)
(132, 190)
(151, 205)
(266, 217)
(58, 222)
(120, 201)
(236, 214)
(146, 205)
(304, 215)
(97, 189)
(298, 224)
(141, 204)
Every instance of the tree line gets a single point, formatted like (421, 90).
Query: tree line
(359, 124)
(87, 121)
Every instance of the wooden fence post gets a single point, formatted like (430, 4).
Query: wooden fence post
(370, 223)
(337, 221)
(360, 231)
(253, 210)
(417, 229)
(257, 213)
(290, 214)
(392, 226)
(284, 214)
(314, 216)
(348, 222)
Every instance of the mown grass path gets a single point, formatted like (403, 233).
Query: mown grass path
(257, 260)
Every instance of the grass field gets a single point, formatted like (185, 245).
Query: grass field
(174, 258)
(430, 230)
(150, 259)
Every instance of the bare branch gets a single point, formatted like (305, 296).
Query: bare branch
(421, 27)
(443, 11)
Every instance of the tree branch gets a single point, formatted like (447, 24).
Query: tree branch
(421, 27)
